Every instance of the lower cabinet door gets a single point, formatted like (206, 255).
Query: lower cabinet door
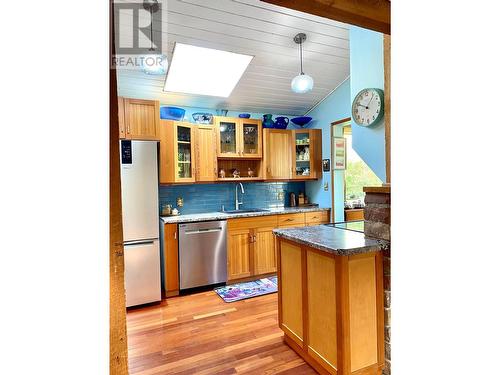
(290, 292)
(264, 251)
(321, 307)
(238, 254)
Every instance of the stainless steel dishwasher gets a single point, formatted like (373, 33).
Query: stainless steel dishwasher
(202, 253)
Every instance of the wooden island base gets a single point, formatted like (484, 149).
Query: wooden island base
(331, 308)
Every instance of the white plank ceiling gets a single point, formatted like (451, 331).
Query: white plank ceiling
(254, 28)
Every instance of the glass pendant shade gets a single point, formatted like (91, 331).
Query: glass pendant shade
(302, 83)
(155, 64)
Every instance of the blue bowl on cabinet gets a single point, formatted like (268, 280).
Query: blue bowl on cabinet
(172, 113)
(202, 118)
(301, 121)
(244, 115)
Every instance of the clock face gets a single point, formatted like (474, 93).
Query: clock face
(368, 107)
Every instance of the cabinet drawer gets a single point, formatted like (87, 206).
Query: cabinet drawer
(268, 221)
(291, 220)
(318, 217)
(356, 214)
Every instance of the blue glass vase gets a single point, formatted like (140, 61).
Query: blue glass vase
(268, 121)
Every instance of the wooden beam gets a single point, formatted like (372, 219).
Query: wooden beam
(387, 106)
(118, 355)
(370, 14)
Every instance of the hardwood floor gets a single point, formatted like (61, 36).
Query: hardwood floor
(201, 334)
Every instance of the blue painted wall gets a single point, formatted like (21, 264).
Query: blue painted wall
(367, 71)
(199, 198)
(335, 107)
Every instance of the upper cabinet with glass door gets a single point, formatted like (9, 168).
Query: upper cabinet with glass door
(177, 152)
(239, 138)
(184, 150)
(306, 154)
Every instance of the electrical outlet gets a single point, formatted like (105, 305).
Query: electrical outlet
(281, 195)
(325, 186)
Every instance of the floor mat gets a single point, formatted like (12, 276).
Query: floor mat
(237, 292)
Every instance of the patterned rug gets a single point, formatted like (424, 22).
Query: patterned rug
(236, 292)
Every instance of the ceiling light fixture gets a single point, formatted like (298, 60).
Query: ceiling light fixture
(301, 83)
(205, 71)
(154, 63)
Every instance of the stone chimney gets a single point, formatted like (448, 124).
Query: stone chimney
(378, 225)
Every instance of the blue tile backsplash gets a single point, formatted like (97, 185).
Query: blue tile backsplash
(199, 198)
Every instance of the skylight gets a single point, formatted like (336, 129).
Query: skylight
(205, 71)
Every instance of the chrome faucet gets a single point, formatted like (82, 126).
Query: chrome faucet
(237, 203)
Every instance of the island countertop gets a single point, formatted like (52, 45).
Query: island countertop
(331, 240)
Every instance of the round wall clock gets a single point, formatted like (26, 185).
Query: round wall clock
(368, 107)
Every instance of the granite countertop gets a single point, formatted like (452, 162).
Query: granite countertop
(330, 239)
(223, 216)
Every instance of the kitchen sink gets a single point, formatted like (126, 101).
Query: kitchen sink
(245, 211)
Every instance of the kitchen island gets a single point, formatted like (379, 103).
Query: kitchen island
(330, 298)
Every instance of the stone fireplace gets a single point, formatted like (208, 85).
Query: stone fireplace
(377, 215)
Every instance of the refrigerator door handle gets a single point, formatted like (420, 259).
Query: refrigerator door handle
(138, 243)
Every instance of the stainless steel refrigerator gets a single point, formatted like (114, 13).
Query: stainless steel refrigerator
(139, 185)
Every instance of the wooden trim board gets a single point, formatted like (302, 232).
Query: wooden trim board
(373, 15)
(118, 355)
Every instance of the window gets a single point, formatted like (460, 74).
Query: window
(357, 174)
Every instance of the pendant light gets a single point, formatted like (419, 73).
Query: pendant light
(153, 63)
(301, 83)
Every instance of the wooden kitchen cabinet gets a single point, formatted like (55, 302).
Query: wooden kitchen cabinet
(139, 119)
(291, 220)
(238, 138)
(205, 153)
(251, 245)
(306, 154)
(317, 217)
(170, 260)
(238, 253)
(121, 117)
(277, 154)
(264, 250)
(251, 249)
(292, 154)
(177, 152)
(304, 219)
